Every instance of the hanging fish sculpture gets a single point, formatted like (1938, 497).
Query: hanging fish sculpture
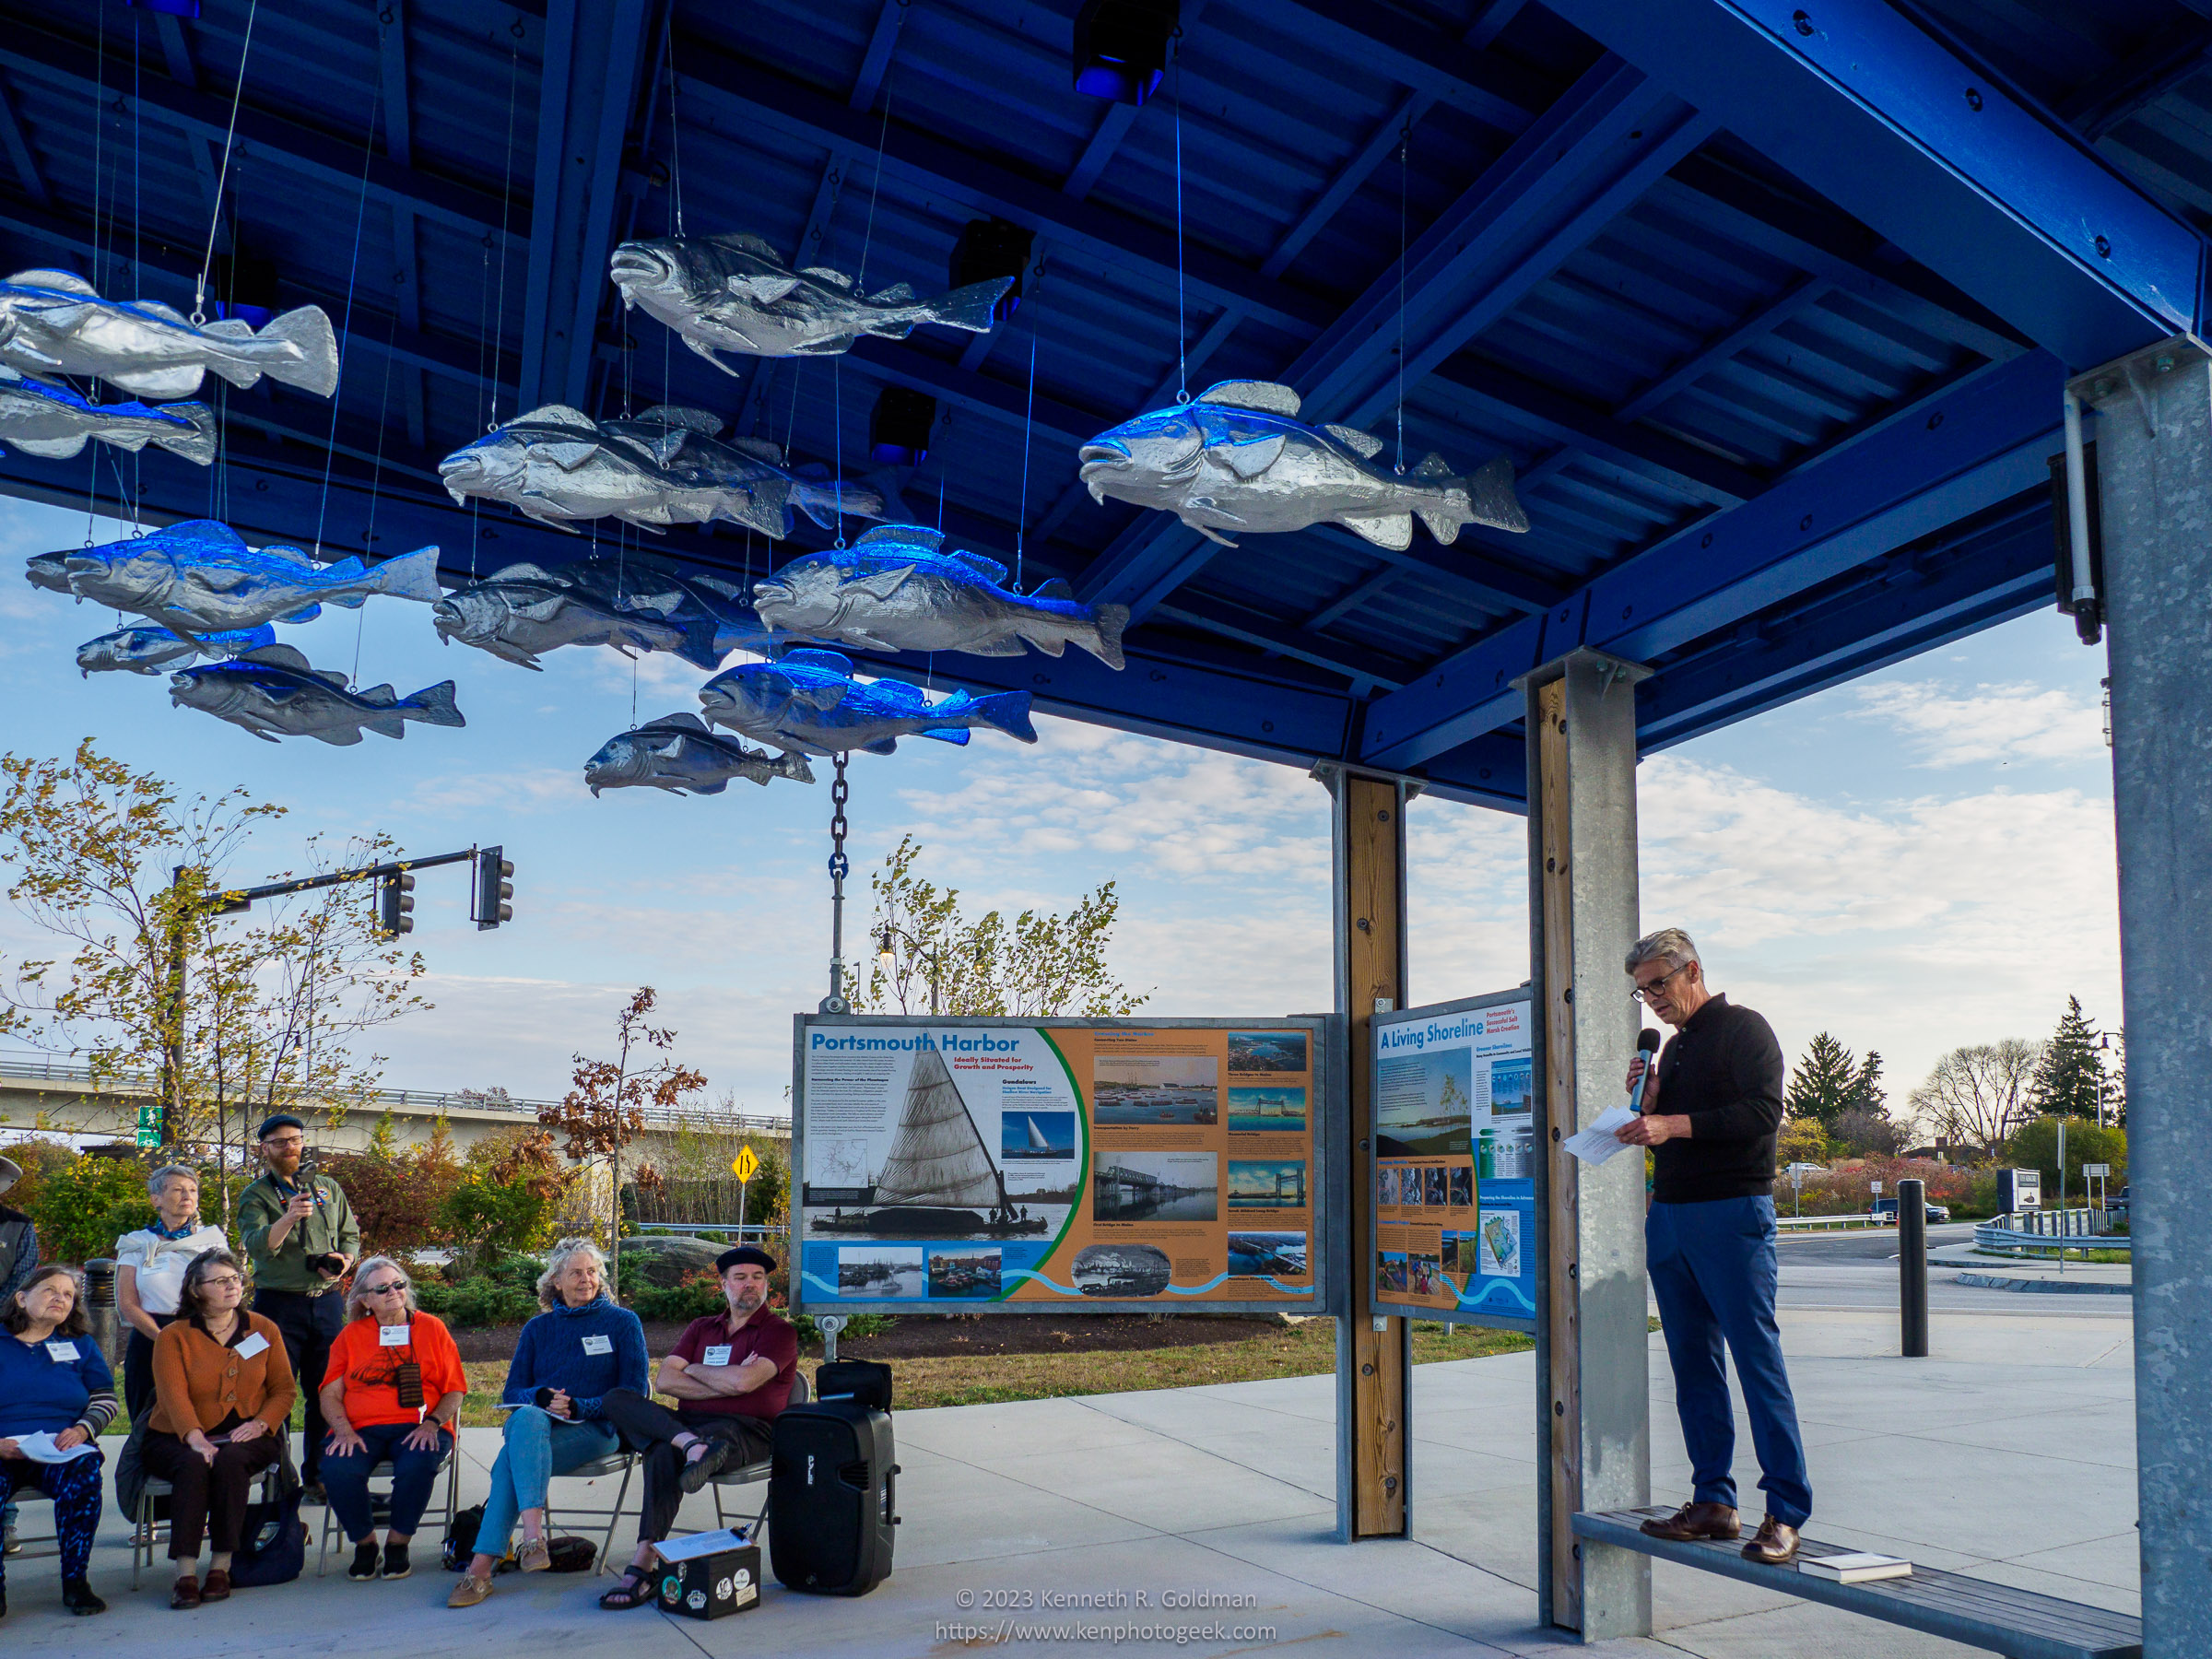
(635, 580)
(678, 753)
(274, 693)
(559, 466)
(524, 610)
(734, 293)
(1238, 458)
(894, 589)
(48, 570)
(55, 322)
(810, 702)
(150, 650)
(55, 422)
(200, 578)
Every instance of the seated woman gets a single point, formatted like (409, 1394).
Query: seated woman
(569, 1358)
(53, 1385)
(223, 1396)
(394, 1388)
(149, 1268)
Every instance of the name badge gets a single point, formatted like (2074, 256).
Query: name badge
(255, 1344)
(598, 1345)
(392, 1335)
(61, 1353)
(719, 1354)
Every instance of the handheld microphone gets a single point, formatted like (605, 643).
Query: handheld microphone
(1647, 1044)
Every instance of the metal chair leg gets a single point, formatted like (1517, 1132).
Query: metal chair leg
(614, 1515)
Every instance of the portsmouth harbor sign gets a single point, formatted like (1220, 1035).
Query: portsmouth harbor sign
(1059, 1165)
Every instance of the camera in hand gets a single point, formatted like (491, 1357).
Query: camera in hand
(329, 1267)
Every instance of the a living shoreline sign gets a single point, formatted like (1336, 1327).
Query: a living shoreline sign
(1059, 1165)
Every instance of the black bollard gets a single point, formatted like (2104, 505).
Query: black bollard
(1912, 1267)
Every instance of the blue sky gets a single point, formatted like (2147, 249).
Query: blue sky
(1918, 860)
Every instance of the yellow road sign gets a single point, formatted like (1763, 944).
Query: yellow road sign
(746, 1165)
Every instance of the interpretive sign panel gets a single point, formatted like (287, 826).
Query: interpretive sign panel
(1060, 1165)
(1454, 1233)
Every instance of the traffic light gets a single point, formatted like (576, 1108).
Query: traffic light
(394, 905)
(492, 888)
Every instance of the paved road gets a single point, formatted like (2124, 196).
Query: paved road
(1858, 1269)
(1863, 1244)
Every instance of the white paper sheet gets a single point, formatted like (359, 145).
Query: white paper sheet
(698, 1544)
(1598, 1142)
(40, 1448)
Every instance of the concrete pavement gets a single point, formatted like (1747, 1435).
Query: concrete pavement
(2009, 1455)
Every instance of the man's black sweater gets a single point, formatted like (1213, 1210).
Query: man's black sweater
(1722, 1071)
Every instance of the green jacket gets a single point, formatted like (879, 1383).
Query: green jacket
(330, 1227)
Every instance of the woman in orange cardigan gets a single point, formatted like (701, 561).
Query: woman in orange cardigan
(224, 1393)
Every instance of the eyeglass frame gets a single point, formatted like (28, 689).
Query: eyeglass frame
(1639, 995)
(396, 1285)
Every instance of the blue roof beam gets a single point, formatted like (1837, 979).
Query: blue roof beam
(1855, 98)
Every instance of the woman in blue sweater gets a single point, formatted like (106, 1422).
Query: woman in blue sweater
(54, 1384)
(570, 1356)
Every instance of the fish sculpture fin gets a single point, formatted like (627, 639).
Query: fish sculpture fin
(889, 746)
(65, 282)
(227, 328)
(683, 415)
(1007, 711)
(668, 750)
(1249, 460)
(278, 656)
(899, 293)
(837, 344)
(973, 308)
(197, 444)
(1207, 531)
(793, 765)
(690, 723)
(824, 274)
(762, 291)
(389, 725)
(165, 382)
(1385, 530)
(433, 705)
(989, 569)
(1009, 647)
(347, 736)
(1365, 445)
(383, 696)
(831, 660)
(1270, 397)
(306, 613)
(524, 573)
(221, 579)
(669, 445)
(566, 453)
(252, 639)
(1431, 465)
(698, 648)
(711, 355)
(915, 536)
(714, 788)
(560, 414)
(1111, 619)
(1057, 587)
(760, 449)
(61, 449)
(745, 241)
(882, 584)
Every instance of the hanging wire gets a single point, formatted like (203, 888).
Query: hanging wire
(1405, 142)
(353, 271)
(215, 215)
(837, 413)
(514, 61)
(1029, 426)
(99, 70)
(859, 282)
(1183, 360)
(675, 129)
(376, 479)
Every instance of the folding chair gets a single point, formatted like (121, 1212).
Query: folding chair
(752, 1474)
(53, 1540)
(622, 1463)
(142, 1538)
(380, 1503)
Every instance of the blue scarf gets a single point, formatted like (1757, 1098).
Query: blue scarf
(174, 1233)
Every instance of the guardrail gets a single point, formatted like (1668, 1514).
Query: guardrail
(1842, 1223)
(418, 1100)
(1995, 1235)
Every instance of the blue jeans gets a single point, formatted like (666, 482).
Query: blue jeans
(1713, 1272)
(346, 1479)
(539, 1446)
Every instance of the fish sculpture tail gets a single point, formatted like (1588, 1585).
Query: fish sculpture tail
(197, 445)
(793, 765)
(1111, 619)
(1485, 499)
(409, 576)
(819, 501)
(1007, 711)
(433, 705)
(307, 331)
(970, 308)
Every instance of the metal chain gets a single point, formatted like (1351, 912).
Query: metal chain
(841, 866)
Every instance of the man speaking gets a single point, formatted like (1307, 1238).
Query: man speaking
(1709, 1115)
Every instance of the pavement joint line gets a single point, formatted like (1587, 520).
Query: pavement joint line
(1328, 1498)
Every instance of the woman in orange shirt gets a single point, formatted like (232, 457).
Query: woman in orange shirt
(394, 1388)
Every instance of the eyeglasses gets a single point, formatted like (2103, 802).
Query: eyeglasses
(224, 1281)
(391, 1289)
(1644, 993)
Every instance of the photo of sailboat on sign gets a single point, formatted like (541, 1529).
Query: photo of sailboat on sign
(938, 1179)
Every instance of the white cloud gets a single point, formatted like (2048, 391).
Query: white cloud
(1990, 722)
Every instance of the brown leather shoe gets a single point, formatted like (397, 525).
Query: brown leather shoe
(1774, 1545)
(217, 1587)
(1694, 1521)
(186, 1593)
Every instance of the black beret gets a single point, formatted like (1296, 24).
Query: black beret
(745, 1255)
(282, 1119)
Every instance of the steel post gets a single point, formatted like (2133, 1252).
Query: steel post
(1913, 1269)
(2154, 457)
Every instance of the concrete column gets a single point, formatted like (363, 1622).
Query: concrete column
(1373, 1353)
(1594, 1438)
(2154, 459)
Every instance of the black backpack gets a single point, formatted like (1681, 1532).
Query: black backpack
(273, 1545)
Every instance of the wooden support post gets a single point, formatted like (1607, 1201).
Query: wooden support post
(1373, 1355)
(1593, 1436)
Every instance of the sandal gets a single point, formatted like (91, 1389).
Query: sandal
(634, 1590)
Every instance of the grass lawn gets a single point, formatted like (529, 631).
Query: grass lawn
(1299, 1350)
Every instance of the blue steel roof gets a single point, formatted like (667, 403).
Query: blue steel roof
(1666, 330)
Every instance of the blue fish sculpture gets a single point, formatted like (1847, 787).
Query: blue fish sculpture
(274, 692)
(200, 578)
(1238, 458)
(810, 702)
(895, 589)
(150, 650)
(48, 570)
(56, 421)
(679, 754)
(55, 322)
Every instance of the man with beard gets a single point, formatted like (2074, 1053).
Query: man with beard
(732, 1372)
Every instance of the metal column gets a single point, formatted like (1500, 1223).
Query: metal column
(1374, 1355)
(2154, 457)
(1594, 1439)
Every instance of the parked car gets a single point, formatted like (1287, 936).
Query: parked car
(1886, 1210)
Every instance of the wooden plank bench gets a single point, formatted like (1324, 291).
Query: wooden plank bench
(2018, 1623)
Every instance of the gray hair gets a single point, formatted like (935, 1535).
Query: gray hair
(167, 1173)
(357, 1304)
(556, 1264)
(1669, 944)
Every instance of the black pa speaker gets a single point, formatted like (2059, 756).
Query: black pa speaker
(832, 1492)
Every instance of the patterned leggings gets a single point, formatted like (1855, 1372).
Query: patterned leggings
(76, 1491)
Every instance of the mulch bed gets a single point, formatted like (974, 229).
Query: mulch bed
(922, 1336)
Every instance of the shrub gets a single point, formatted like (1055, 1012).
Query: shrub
(476, 1303)
(2034, 1146)
(695, 1295)
(77, 1207)
(396, 1200)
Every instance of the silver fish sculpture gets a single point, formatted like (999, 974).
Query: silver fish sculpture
(150, 650)
(678, 753)
(1238, 458)
(523, 610)
(895, 589)
(199, 578)
(48, 570)
(55, 322)
(809, 701)
(637, 580)
(272, 693)
(734, 293)
(559, 466)
(54, 422)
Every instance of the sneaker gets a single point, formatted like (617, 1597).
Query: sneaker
(11, 1543)
(469, 1591)
(396, 1565)
(364, 1562)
